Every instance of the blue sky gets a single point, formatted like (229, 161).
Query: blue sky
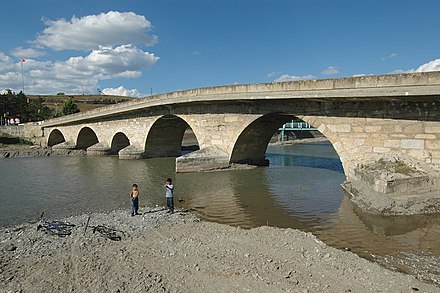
(132, 46)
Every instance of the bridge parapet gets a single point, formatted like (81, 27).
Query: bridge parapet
(379, 86)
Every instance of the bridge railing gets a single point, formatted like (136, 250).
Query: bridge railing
(293, 126)
(297, 126)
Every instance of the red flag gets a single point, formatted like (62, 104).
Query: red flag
(22, 60)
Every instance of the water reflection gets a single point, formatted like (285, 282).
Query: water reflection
(301, 189)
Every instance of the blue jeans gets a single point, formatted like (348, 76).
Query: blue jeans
(134, 205)
(170, 204)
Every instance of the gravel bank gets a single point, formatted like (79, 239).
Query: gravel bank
(179, 253)
(26, 151)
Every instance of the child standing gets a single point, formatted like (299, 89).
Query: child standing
(134, 199)
(169, 195)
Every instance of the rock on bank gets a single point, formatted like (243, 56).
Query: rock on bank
(180, 253)
(25, 151)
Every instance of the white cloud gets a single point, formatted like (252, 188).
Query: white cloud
(111, 44)
(26, 52)
(433, 65)
(400, 71)
(391, 56)
(107, 62)
(75, 75)
(122, 91)
(331, 70)
(273, 73)
(286, 77)
(89, 32)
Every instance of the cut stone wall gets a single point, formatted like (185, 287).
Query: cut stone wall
(358, 140)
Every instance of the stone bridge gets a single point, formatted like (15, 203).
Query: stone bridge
(363, 117)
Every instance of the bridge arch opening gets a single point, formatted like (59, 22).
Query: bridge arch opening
(251, 145)
(86, 138)
(170, 136)
(119, 141)
(55, 137)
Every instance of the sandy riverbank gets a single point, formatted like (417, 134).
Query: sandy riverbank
(180, 253)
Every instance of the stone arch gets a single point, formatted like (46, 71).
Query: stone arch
(55, 137)
(119, 141)
(165, 137)
(250, 147)
(335, 138)
(86, 138)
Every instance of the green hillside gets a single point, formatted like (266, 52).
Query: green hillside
(84, 102)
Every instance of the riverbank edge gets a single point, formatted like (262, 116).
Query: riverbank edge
(372, 202)
(26, 151)
(186, 254)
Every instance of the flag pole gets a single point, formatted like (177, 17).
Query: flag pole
(22, 76)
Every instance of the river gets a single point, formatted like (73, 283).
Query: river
(301, 190)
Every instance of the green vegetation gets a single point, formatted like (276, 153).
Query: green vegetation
(19, 106)
(27, 110)
(69, 107)
(392, 166)
(402, 168)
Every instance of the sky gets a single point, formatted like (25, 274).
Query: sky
(140, 47)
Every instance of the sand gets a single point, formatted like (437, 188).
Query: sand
(178, 252)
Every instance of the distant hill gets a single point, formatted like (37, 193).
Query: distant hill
(84, 102)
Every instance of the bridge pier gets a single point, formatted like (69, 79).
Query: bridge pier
(64, 146)
(206, 159)
(131, 153)
(98, 149)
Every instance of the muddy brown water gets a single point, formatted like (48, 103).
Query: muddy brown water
(301, 189)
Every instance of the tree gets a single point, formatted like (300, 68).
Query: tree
(69, 107)
(37, 111)
(19, 105)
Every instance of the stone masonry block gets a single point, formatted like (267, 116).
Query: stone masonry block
(432, 129)
(339, 127)
(344, 83)
(435, 154)
(231, 118)
(323, 84)
(357, 128)
(413, 128)
(363, 149)
(426, 136)
(358, 142)
(434, 78)
(398, 128)
(414, 79)
(392, 143)
(369, 128)
(389, 80)
(418, 154)
(433, 144)
(381, 150)
(366, 81)
(412, 144)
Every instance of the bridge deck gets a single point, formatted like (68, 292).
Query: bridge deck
(394, 87)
